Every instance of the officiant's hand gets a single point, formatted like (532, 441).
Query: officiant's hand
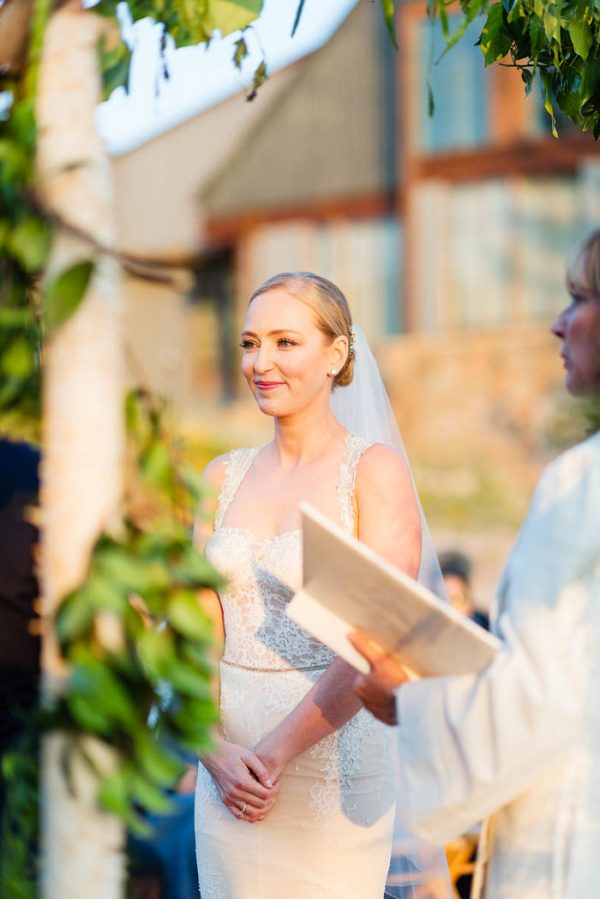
(243, 782)
(377, 689)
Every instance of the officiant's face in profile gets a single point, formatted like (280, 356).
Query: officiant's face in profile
(578, 326)
(287, 359)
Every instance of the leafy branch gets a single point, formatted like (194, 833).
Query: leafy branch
(556, 42)
(135, 630)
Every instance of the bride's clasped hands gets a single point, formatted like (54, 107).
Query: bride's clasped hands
(242, 781)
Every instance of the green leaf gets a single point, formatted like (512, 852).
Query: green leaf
(93, 680)
(240, 52)
(430, 100)
(389, 10)
(156, 465)
(156, 651)
(29, 243)
(590, 89)
(157, 763)
(444, 21)
(548, 104)
(186, 616)
(193, 481)
(132, 574)
(145, 794)
(496, 40)
(23, 124)
(568, 94)
(527, 78)
(74, 616)
(516, 12)
(17, 360)
(88, 717)
(536, 37)
(194, 716)
(112, 794)
(551, 23)
(115, 63)
(14, 161)
(260, 76)
(104, 595)
(227, 16)
(582, 37)
(199, 657)
(64, 295)
(136, 414)
(195, 570)
(189, 681)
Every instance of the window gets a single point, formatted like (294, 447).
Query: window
(459, 85)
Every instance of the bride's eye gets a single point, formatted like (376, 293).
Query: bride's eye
(286, 342)
(247, 344)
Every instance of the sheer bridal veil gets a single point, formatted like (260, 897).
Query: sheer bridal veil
(363, 407)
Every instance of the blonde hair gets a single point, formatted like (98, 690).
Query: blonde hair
(331, 308)
(583, 271)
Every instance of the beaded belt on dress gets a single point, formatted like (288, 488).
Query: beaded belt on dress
(321, 666)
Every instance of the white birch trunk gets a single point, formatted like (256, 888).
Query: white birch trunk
(83, 428)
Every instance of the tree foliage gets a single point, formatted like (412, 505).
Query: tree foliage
(134, 630)
(556, 42)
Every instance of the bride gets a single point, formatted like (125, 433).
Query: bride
(296, 801)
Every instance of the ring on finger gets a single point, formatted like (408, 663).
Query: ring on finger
(242, 810)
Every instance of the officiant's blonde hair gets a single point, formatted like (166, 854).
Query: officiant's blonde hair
(330, 305)
(583, 271)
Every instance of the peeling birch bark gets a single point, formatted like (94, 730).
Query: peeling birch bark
(83, 428)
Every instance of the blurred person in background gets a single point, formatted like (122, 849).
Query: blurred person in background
(456, 570)
(19, 648)
(163, 864)
(519, 744)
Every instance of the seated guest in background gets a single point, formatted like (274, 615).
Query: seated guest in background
(456, 570)
(519, 744)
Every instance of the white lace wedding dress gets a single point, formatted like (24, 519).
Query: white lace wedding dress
(329, 833)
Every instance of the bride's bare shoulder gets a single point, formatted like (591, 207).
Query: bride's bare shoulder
(381, 462)
(382, 472)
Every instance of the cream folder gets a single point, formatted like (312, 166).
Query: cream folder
(347, 586)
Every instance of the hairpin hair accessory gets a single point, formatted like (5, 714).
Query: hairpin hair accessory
(352, 345)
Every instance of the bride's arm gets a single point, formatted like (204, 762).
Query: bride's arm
(241, 778)
(388, 521)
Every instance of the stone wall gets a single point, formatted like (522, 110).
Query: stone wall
(481, 412)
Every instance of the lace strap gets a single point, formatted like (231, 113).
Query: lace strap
(355, 447)
(236, 465)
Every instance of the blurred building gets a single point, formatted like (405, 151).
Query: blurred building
(448, 234)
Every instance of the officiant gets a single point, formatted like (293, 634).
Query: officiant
(519, 744)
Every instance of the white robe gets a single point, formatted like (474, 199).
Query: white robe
(521, 742)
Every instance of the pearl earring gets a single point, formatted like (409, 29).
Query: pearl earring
(332, 373)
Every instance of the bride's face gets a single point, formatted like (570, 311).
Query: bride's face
(286, 358)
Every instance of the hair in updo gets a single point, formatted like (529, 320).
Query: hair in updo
(583, 271)
(332, 312)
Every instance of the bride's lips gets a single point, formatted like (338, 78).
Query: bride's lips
(267, 385)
